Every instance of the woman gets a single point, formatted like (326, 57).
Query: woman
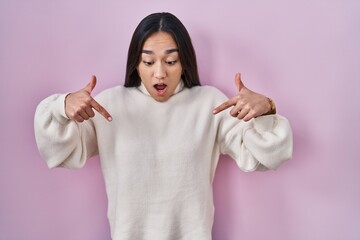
(160, 146)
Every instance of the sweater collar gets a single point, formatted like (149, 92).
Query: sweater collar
(178, 88)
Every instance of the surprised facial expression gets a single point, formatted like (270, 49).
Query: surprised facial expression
(160, 68)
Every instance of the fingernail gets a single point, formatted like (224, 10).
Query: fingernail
(109, 118)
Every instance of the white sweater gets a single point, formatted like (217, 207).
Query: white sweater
(159, 158)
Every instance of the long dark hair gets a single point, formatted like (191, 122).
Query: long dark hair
(162, 22)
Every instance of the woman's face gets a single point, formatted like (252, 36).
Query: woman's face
(160, 68)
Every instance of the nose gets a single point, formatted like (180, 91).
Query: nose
(160, 71)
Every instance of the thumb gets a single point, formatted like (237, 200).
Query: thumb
(91, 85)
(238, 82)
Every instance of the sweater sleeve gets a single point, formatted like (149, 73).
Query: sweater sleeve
(260, 144)
(61, 141)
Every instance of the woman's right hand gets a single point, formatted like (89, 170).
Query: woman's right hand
(79, 106)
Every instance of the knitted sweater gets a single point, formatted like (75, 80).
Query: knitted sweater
(158, 159)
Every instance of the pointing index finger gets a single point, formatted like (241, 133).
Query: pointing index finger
(100, 109)
(224, 105)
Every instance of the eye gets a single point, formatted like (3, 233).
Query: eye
(171, 62)
(148, 63)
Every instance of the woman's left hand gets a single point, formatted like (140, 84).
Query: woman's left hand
(246, 104)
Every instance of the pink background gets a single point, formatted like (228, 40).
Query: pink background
(304, 54)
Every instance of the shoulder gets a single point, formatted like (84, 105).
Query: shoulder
(112, 96)
(208, 92)
(114, 93)
(110, 92)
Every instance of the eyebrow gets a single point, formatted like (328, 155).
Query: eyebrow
(167, 51)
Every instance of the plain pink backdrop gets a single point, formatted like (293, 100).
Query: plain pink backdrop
(304, 54)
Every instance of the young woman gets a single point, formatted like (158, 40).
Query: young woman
(160, 136)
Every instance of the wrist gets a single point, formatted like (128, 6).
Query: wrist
(272, 107)
(66, 96)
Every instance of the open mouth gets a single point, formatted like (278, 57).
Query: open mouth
(160, 88)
